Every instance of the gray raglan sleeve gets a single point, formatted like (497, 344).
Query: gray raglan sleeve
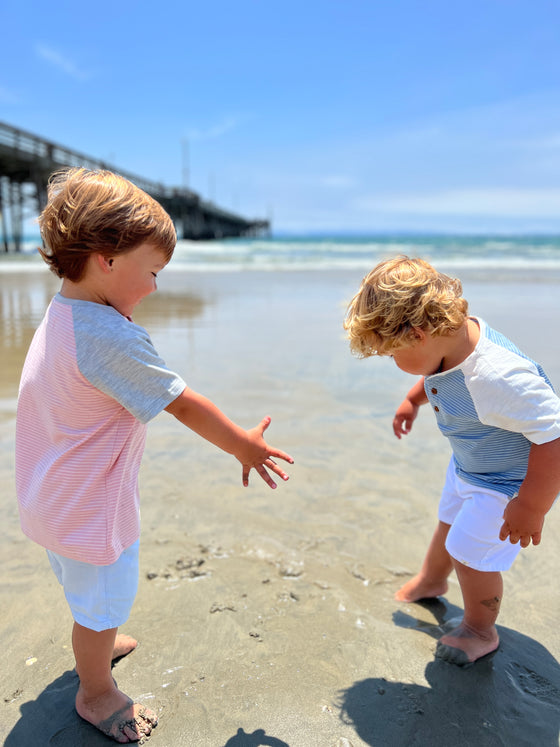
(119, 359)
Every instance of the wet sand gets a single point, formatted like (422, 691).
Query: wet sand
(267, 617)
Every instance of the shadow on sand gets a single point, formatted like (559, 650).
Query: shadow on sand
(510, 698)
(257, 738)
(52, 720)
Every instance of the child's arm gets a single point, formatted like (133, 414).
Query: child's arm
(200, 415)
(408, 409)
(524, 515)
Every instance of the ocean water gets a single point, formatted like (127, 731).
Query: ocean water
(349, 253)
(540, 254)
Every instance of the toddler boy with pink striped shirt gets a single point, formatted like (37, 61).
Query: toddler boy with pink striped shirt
(91, 382)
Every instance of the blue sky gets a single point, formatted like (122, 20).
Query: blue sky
(327, 116)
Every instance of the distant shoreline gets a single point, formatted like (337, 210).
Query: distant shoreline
(507, 259)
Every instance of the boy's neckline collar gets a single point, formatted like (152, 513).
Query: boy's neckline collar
(77, 301)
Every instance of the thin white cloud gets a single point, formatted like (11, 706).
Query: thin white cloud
(338, 181)
(488, 202)
(215, 131)
(60, 61)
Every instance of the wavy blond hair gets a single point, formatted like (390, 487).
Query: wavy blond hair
(99, 212)
(396, 297)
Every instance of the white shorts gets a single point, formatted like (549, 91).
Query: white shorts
(100, 596)
(476, 517)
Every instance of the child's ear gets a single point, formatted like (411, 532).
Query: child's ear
(105, 263)
(419, 334)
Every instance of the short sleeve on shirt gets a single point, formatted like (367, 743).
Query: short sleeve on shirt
(118, 358)
(512, 393)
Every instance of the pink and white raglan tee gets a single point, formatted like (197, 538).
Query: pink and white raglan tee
(91, 381)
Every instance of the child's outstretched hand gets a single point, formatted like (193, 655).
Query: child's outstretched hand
(404, 417)
(257, 454)
(202, 416)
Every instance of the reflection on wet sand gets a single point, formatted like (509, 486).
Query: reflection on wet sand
(24, 296)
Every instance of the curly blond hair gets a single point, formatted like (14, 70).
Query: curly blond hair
(98, 212)
(396, 297)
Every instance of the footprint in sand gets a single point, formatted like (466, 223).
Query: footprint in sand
(536, 685)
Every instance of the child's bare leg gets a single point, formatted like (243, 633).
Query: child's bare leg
(432, 579)
(476, 636)
(98, 700)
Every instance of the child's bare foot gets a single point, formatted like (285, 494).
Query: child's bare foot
(420, 588)
(114, 714)
(124, 644)
(464, 645)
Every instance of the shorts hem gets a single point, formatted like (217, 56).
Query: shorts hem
(489, 568)
(98, 626)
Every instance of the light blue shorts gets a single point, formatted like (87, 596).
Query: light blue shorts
(100, 596)
(476, 517)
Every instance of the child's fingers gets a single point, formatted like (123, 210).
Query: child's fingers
(525, 539)
(280, 455)
(504, 531)
(265, 422)
(271, 464)
(516, 536)
(260, 468)
(265, 476)
(401, 426)
(262, 426)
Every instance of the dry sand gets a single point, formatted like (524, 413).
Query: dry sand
(267, 617)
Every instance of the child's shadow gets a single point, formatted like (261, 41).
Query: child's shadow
(512, 697)
(51, 719)
(257, 739)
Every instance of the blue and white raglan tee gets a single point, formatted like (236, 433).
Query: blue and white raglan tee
(492, 407)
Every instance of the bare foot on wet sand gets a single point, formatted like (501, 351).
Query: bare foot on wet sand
(114, 714)
(124, 644)
(463, 645)
(420, 588)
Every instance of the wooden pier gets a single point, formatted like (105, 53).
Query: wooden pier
(27, 161)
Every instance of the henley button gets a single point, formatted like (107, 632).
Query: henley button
(436, 408)
(434, 391)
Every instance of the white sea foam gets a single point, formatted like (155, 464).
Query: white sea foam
(490, 254)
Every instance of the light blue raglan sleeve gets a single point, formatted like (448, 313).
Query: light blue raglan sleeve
(118, 358)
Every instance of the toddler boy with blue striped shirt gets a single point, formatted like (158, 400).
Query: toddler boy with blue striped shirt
(502, 417)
